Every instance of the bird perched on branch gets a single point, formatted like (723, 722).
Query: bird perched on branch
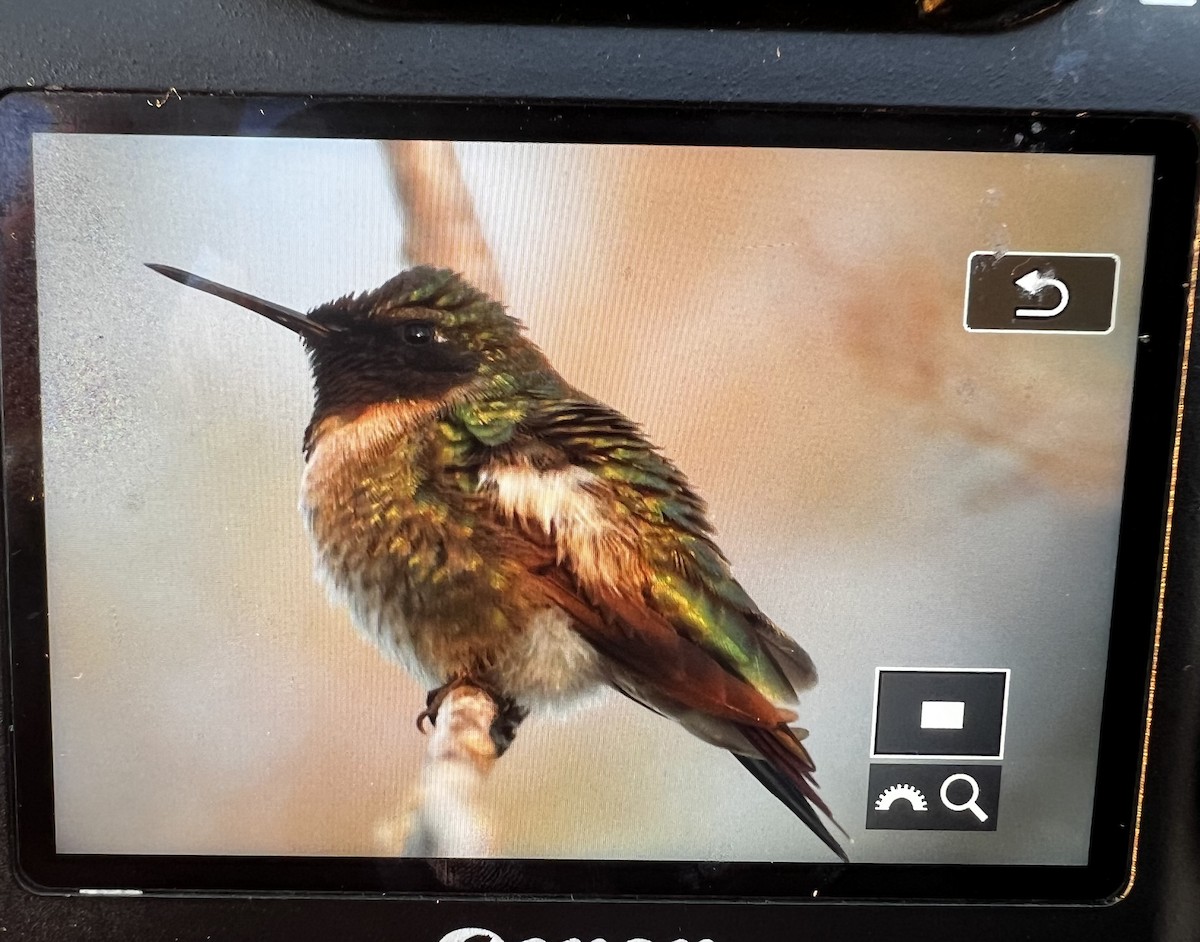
(487, 523)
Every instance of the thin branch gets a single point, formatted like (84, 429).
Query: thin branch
(447, 819)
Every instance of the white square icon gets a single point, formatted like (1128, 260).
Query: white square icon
(939, 712)
(942, 714)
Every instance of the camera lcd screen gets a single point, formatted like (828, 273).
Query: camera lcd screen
(547, 499)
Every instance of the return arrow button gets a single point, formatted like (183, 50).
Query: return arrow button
(1045, 292)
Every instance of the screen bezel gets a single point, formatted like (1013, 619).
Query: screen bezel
(1164, 319)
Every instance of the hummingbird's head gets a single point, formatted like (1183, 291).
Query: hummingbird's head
(419, 336)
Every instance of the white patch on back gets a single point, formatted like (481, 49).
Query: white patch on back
(568, 504)
(559, 500)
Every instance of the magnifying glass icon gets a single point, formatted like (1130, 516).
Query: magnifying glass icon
(971, 804)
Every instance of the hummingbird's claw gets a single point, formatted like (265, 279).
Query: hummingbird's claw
(433, 702)
(509, 715)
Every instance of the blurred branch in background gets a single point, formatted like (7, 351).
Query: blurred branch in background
(440, 224)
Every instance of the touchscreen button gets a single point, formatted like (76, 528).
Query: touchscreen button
(933, 797)
(1029, 293)
(947, 714)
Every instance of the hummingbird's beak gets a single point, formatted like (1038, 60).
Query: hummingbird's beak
(292, 320)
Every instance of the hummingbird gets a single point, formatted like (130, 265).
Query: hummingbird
(486, 523)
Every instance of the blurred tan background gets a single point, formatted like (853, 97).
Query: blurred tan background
(786, 325)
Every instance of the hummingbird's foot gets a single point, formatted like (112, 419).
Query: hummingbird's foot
(434, 700)
(509, 715)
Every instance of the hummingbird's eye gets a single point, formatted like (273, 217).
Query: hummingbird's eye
(418, 332)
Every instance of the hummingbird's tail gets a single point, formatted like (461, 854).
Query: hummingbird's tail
(786, 770)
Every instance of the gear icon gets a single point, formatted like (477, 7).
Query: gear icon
(901, 792)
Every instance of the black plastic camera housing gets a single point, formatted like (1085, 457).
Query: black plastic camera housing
(1113, 56)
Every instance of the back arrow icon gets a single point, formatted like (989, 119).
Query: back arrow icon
(1031, 284)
